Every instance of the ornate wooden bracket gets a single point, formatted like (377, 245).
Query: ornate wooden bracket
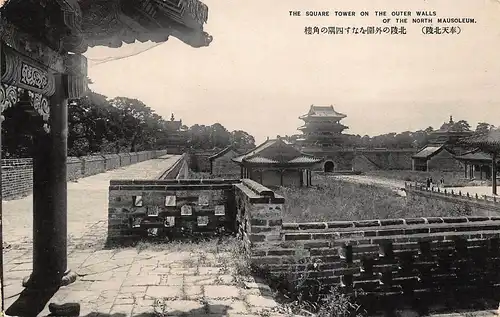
(26, 73)
(11, 95)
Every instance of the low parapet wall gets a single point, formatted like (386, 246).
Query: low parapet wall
(178, 170)
(173, 208)
(483, 203)
(388, 262)
(17, 174)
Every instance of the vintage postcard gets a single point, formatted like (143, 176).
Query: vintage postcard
(249, 158)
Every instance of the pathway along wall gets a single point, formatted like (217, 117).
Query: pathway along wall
(17, 174)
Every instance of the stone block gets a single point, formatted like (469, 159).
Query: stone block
(260, 301)
(170, 292)
(223, 307)
(147, 280)
(221, 292)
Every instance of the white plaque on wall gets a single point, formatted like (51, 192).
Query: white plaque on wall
(170, 201)
(203, 200)
(220, 210)
(202, 221)
(186, 210)
(170, 221)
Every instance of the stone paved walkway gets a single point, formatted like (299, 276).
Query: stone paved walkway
(171, 280)
(87, 202)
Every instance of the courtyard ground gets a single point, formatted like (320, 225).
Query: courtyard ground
(372, 180)
(189, 279)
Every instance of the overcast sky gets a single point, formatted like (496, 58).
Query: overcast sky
(262, 72)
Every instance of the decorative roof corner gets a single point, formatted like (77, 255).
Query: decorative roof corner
(76, 25)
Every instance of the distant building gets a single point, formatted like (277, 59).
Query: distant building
(441, 149)
(177, 136)
(222, 164)
(322, 137)
(322, 127)
(277, 163)
(477, 164)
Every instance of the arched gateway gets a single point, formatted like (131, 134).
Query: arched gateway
(329, 167)
(42, 68)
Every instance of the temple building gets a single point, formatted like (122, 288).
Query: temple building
(322, 127)
(177, 137)
(441, 149)
(322, 137)
(277, 163)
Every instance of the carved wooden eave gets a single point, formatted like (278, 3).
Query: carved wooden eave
(75, 25)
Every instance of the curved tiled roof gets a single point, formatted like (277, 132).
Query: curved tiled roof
(276, 151)
(222, 152)
(323, 112)
(489, 141)
(428, 151)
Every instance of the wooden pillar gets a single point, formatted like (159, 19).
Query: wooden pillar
(301, 180)
(466, 165)
(50, 198)
(2, 307)
(241, 172)
(310, 178)
(494, 173)
(481, 172)
(281, 177)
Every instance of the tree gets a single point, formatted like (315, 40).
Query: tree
(242, 140)
(483, 128)
(461, 126)
(139, 123)
(219, 136)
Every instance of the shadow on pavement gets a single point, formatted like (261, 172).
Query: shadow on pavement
(31, 302)
(212, 310)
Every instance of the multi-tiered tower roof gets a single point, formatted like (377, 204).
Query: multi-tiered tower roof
(322, 127)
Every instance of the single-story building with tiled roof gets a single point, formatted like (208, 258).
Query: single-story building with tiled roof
(477, 164)
(435, 158)
(222, 164)
(277, 163)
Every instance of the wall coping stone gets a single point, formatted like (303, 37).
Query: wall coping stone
(92, 158)
(111, 155)
(258, 188)
(171, 187)
(73, 159)
(165, 182)
(435, 223)
(253, 194)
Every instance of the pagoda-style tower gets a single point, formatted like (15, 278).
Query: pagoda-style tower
(322, 127)
(448, 135)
